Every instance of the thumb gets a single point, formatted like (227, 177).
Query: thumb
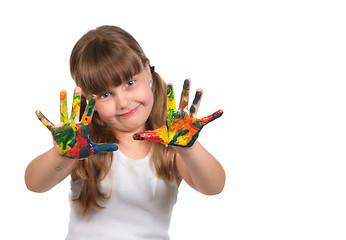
(148, 135)
(211, 117)
(105, 147)
(44, 120)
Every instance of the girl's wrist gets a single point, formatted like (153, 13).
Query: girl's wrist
(186, 151)
(61, 161)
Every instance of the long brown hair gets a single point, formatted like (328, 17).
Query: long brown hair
(105, 57)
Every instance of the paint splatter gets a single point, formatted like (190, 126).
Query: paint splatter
(181, 129)
(72, 137)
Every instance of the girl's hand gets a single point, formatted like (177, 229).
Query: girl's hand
(70, 135)
(182, 127)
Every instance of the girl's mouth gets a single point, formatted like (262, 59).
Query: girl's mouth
(130, 112)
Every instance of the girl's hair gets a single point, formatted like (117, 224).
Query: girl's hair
(102, 58)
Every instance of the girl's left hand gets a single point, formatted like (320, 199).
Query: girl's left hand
(182, 127)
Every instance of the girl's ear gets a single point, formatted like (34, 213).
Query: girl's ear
(148, 70)
(149, 75)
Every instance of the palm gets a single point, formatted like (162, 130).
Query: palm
(182, 127)
(70, 136)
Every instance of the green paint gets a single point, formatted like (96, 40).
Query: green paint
(197, 97)
(192, 110)
(58, 168)
(186, 88)
(170, 94)
(64, 135)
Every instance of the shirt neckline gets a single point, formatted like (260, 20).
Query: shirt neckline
(125, 158)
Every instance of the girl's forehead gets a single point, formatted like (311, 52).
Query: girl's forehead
(102, 85)
(102, 69)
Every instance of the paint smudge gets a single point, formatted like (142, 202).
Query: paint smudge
(58, 168)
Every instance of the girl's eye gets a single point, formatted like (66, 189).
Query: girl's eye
(105, 95)
(129, 83)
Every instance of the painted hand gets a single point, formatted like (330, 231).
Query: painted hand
(182, 127)
(71, 136)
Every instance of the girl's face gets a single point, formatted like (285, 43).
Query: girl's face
(126, 108)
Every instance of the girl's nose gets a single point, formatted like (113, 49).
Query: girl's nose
(123, 99)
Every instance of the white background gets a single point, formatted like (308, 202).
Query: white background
(276, 68)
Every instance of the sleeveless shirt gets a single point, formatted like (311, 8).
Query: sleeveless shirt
(140, 204)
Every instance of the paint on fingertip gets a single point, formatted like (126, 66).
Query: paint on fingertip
(186, 88)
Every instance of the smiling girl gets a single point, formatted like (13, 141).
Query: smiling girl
(123, 188)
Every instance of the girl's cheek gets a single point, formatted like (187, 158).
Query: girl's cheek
(107, 114)
(105, 111)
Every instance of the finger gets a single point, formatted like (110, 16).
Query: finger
(171, 107)
(105, 147)
(148, 135)
(89, 111)
(184, 99)
(211, 117)
(76, 104)
(45, 121)
(196, 102)
(63, 107)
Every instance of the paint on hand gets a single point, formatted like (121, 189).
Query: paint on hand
(63, 107)
(72, 137)
(75, 105)
(181, 129)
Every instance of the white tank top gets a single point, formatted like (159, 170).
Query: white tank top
(140, 204)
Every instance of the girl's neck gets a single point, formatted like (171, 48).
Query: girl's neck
(133, 148)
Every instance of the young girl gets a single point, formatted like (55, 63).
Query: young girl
(123, 189)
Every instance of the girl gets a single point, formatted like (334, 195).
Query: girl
(123, 189)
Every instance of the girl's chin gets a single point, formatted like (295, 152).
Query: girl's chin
(128, 127)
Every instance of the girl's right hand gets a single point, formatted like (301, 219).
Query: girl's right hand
(70, 135)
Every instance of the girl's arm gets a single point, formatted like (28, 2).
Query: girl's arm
(200, 169)
(181, 129)
(47, 170)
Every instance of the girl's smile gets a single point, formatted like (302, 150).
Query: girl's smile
(129, 113)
